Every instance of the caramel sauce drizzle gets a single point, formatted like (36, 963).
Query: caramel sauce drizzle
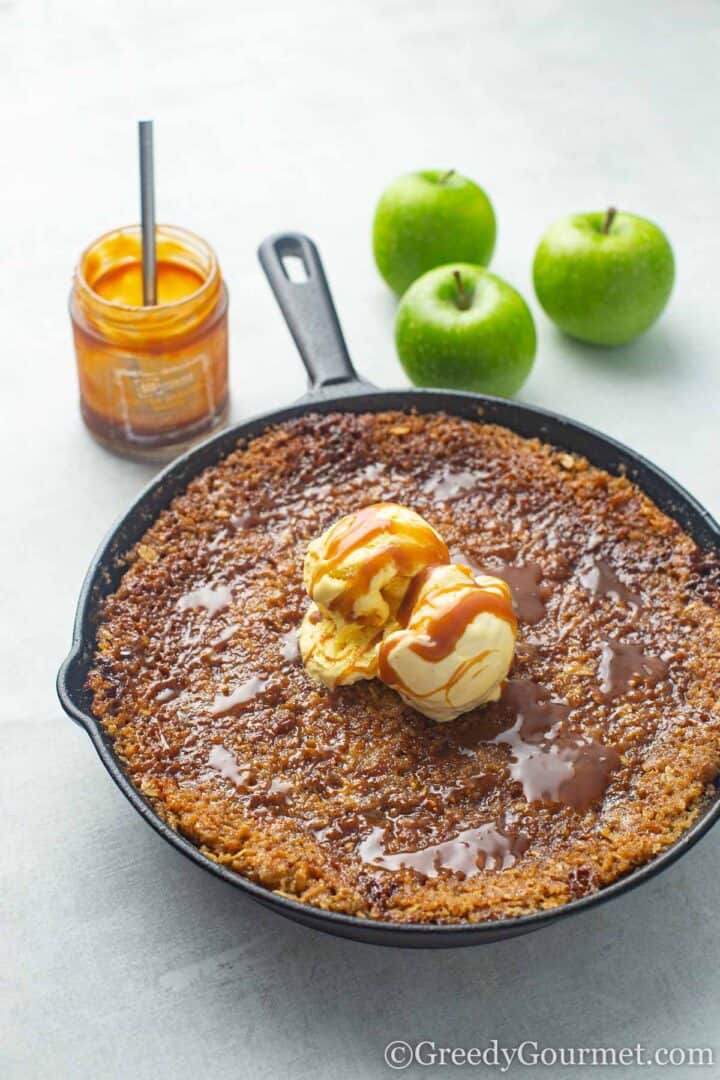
(551, 762)
(412, 595)
(364, 526)
(600, 579)
(492, 846)
(438, 637)
(525, 580)
(443, 630)
(344, 604)
(622, 664)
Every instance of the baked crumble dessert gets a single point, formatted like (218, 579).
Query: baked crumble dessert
(602, 749)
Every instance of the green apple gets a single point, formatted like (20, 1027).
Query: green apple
(459, 326)
(605, 277)
(427, 219)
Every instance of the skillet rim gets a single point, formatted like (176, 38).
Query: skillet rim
(106, 568)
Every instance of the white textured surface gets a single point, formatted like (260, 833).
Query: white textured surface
(120, 959)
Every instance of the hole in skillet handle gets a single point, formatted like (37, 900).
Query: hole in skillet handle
(295, 269)
(309, 311)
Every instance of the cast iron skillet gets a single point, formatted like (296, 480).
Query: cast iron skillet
(334, 386)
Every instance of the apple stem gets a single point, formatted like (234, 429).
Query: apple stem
(609, 218)
(446, 176)
(463, 300)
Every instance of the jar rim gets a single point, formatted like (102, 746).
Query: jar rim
(173, 231)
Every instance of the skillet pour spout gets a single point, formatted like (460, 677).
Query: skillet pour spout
(294, 270)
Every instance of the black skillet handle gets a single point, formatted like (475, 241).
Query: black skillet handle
(308, 309)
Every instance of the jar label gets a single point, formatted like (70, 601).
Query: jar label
(168, 394)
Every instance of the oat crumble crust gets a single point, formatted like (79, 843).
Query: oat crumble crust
(312, 773)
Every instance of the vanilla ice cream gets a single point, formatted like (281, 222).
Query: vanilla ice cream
(387, 603)
(360, 569)
(337, 653)
(456, 646)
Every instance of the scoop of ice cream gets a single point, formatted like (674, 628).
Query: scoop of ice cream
(456, 644)
(360, 569)
(386, 602)
(337, 653)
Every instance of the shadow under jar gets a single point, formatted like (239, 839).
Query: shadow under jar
(152, 379)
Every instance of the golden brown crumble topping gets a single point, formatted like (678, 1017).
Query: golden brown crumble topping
(601, 752)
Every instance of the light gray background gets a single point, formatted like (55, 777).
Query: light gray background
(120, 959)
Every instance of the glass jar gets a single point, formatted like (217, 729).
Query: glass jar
(152, 379)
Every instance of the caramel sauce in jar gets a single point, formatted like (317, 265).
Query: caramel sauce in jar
(152, 379)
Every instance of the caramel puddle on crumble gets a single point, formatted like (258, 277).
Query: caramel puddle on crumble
(529, 593)
(490, 846)
(622, 664)
(594, 760)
